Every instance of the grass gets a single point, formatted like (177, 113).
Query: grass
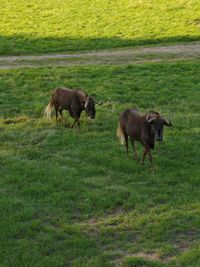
(72, 198)
(59, 26)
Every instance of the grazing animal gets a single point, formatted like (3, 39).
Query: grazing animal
(146, 129)
(75, 101)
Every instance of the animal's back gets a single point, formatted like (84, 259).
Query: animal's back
(130, 121)
(61, 96)
(82, 96)
(128, 115)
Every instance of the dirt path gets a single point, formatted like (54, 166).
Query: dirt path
(114, 57)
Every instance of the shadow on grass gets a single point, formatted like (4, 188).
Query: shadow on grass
(24, 44)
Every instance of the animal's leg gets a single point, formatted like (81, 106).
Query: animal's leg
(72, 126)
(56, 110)
(134, 150)
(75, 115)
(76, 121)
(143, 156)
(126, 143)
(60, 111)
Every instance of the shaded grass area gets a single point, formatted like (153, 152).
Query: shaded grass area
(48, 26)
(72, 198)
(28, 45)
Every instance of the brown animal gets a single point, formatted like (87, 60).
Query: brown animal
(75, 101)
(146, 129)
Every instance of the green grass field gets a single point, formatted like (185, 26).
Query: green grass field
(72, 198)
(46, 26)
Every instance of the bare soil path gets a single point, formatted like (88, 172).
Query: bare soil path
(113, 57)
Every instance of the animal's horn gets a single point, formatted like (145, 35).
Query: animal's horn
(167, 123)
(150, 117)
(86, 102)
(147, 117)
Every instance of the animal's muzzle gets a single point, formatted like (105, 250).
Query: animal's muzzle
(92, 116)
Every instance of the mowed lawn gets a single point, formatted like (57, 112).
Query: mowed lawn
(46, 26)
(72, 198)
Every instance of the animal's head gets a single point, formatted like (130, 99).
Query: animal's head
(157, 123)
(90, 107)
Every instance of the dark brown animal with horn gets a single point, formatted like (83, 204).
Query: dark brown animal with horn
(146, 129)
(75, 101)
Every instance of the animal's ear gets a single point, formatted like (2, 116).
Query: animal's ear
(167, 122)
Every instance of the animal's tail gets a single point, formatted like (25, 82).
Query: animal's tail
(48, 109)
(120, 134)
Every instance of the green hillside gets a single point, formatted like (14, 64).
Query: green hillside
(45, 26)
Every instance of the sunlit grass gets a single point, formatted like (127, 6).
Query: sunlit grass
(51, 26)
